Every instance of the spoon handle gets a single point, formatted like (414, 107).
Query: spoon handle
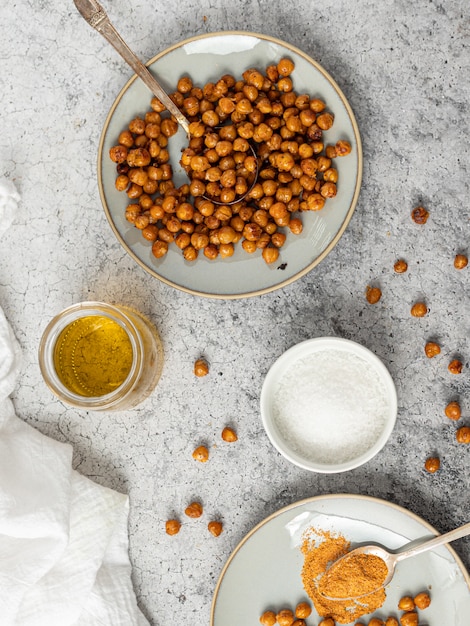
(452, 535)
(96, 17)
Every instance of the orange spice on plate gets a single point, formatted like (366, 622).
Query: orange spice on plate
(318, 555)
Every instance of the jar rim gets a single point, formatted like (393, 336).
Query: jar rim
(49, 339)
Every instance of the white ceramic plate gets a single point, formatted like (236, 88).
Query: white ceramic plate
(263, 571)
(207, 58)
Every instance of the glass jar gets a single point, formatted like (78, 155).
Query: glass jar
(101, 357)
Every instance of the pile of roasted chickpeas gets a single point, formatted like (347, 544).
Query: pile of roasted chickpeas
(256, 159)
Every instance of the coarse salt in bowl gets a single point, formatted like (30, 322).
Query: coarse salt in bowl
(328, 404)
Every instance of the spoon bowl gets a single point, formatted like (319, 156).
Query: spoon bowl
(390, 560)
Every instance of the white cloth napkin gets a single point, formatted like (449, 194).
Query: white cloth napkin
(63, 539)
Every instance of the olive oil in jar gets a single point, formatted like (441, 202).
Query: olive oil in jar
(93, 356)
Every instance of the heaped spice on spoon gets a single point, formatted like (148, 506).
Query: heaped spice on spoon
(355, 576)
(320, 548)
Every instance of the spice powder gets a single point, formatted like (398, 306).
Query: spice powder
(317, 557)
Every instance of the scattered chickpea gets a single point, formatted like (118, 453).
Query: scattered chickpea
(432, 349)
(268, 618)
(455, 366)
(406, 603)
(215, 528)
(229, 435)
(422, 600)
(303, 610)
(299, 622)
(328, 621)
(460, 261)
(409, 619)
(375, 621)
(172, 527)
(432, 464)
(463, 434)
(373, 295)
(419, 309)
(201, 454)
(194, 509)
(419, 215)
(400, 266)
(285, 617)
(201, 368)
(453, 411)
(391, 621)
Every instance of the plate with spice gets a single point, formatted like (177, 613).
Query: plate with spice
(312, 173)
(272, 570)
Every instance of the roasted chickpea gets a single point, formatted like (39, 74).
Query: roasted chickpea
(375, 621)
(460, 261)
(226, 250)
(432, 349)
(150, 232)
(328, 190)
(268, 618)
(432, 464)
(194, 509)
(419, 309)
(303, 610)
(122, 182)
(159, 248)
(172, 527)
(325, 121)
(229, 435)
(406, 603)
(270, 255)
(400, 266)
(249, 246)
(463, 435)
(201, 454)
(329, 621)
(409, 619)
(391, 621)
(419, 215)
(373, 294)
(285, 67)
(315, 202)
(285, 617)
(190, 253)
(201, 368)
(215, 528)
(422, 600)
(118, 154)
(453, 411)
(278, 239)
(455, 366)
(296, 226)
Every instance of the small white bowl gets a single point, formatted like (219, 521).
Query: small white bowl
(328, 404)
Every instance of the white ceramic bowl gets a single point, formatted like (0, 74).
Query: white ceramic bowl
(328, 404)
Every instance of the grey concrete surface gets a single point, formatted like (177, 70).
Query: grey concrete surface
(405, 69)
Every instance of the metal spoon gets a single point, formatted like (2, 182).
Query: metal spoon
(96, 16)
(392, 558)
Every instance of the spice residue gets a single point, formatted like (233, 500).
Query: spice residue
(320, 548)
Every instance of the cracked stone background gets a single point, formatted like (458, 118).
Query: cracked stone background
(405, 69)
